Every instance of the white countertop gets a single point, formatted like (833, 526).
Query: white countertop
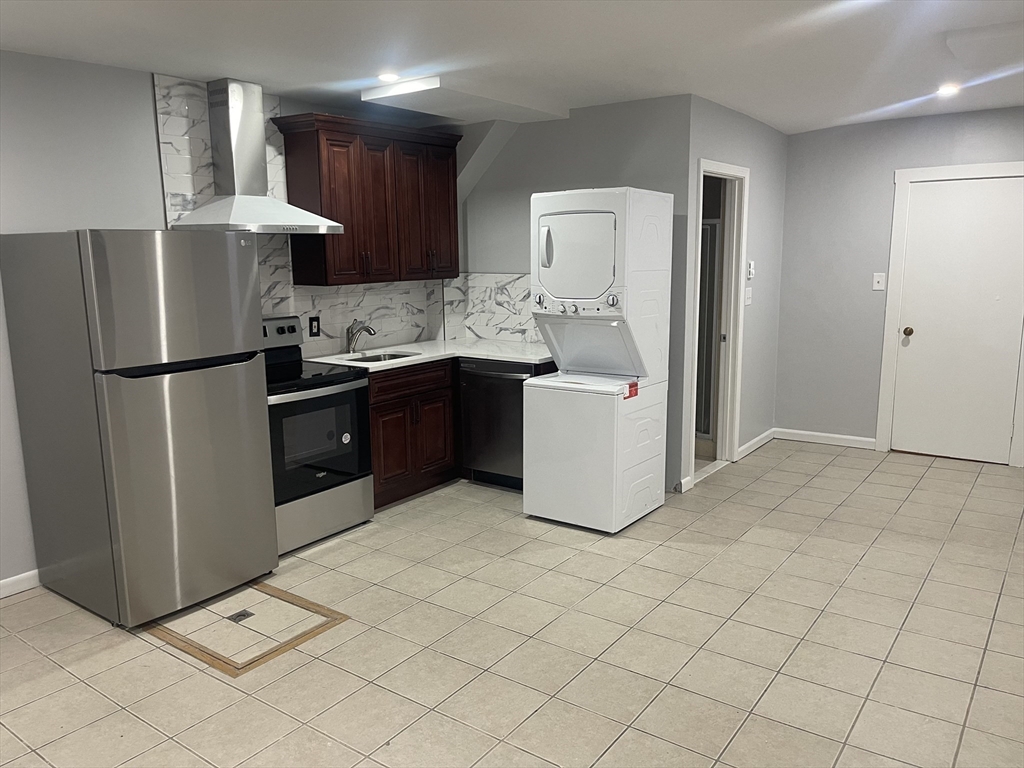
(430, 351)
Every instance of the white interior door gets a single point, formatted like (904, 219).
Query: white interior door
(960, 318)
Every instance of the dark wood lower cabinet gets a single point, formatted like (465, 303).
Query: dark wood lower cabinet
(412, 437)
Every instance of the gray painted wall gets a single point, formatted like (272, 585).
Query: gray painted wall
(721, 134)
(839, 199)
(78, 149)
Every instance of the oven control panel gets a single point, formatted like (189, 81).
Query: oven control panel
(282, 331)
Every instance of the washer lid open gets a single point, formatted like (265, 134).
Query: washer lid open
(582, 345)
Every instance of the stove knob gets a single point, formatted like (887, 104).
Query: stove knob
(281, 330)
(574, 309)
(539, 298)
(561, 308)
(613, 300)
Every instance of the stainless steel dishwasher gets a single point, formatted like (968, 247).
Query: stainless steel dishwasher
(492, 418)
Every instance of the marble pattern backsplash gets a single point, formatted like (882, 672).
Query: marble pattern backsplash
(490, 306)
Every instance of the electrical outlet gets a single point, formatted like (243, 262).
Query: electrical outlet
(878, 281)
(748, 297)
(314, 326)
(750, 270)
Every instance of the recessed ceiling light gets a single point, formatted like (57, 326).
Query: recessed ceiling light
(949, 89)
(388, 77)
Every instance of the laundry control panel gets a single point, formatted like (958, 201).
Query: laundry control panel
(612, 304)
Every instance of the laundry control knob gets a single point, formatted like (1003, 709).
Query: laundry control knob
(539, 298)
(281, 330)
(291, 329)
(561, 308)
(613, 300)
(574, 309)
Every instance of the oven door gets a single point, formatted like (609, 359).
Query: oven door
(319, 439)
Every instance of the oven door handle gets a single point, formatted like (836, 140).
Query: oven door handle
(309, 394)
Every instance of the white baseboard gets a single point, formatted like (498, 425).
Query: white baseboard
(754, 444)
(848, 441)
(685, 484)
(15, 584)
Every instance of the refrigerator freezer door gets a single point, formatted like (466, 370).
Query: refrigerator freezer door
(157, 297)
(187, 459)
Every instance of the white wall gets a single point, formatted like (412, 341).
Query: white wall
(839, 198)
(78, 149)
(723, 135)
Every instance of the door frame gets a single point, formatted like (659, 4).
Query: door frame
(734, 259)
(894, 292)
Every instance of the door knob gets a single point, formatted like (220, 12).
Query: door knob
(908, 331)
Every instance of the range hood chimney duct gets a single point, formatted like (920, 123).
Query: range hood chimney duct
(238, 143)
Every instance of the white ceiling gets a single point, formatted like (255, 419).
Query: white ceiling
(795, 65)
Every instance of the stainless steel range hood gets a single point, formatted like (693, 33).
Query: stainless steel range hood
(240, 171)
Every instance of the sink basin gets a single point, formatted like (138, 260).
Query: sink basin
(382, 357)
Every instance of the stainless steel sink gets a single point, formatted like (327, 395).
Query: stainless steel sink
(382, 357)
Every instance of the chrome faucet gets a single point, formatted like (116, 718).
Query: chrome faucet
(353, 332)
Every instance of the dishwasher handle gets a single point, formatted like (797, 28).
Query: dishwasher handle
(494, 375)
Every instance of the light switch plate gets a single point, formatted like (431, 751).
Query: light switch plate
(748, 297)
(878, 281)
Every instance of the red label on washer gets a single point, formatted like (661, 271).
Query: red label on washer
(633, 391)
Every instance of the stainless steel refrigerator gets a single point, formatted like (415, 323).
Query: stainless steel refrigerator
(141, 389)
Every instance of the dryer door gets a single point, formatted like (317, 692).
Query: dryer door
(576, 254)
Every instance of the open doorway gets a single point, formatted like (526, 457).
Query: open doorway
(716, 324)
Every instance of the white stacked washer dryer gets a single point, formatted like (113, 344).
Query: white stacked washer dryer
(594, 433)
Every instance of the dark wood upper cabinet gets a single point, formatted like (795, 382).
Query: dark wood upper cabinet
(393, 188)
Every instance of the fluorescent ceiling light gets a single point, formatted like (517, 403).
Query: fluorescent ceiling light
(387, 77)
(402, 88)
(949, 89)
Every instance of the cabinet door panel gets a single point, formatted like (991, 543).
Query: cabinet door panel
(340, 167)
(391, 438)
(442, 217)
(377, 192)
(435, 432)
(412, 213)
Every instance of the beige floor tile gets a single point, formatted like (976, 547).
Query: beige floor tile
(778, 538)
(58, 714)
(55, 634)
(733, 575)
(984, 750)
(100, 653)
(939, 657)
(293, 571)
(264, 674)
(854, 757)
(19, 616)
(460, 560)
(506, 756)
(1003, 673)
(417, 547)
(376, 535)
(479, 643)
(333, 553)
(468, 596)
(543, 554)
(611, 691)
(996, 712)
(332, 638)
(371, 653)
(30, 760)
(135, 679)
(226, 637)
(884, 583)
(493, 704)
(748, 643)
(571, 537)
(238, 732)
(636, 749)
(374, 604)
(652, 531)
(541, 665)
(332, 587)
(832, 667)
(10, 746)
(811, 707)
(582, 633)
(649, 582)
(724, 678)
(622, 548)
(508, 574)
(428, 677)
(191, 619)
(368, 718)
(776, 615)
(923, 693)
(167, 754)
(793, 589)
(495, 542)
(454, 530)
(185, 703)
(593, 566)
(433, 741)
(304, 748)
(909, 543)
(948, 625)
(619, 605)
(566, 735)
(763, 742)
(274, 616)
(816, 568)
(110, 741)
(682, 624)
(560, 588)
(708, 598)
(14, 652)
(310, 690)
(866, 606)
(690, 720)
(523, 614)
(649, 654)
(1007, 638)
(424, 623)
(957, 598)
(681, 562)
(1011, 609)
(524, 525)
(905, 736)
(852, 635)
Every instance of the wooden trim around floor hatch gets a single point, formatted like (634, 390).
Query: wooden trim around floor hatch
(232, 668)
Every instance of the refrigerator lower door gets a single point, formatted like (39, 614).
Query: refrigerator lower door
(189, 484)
